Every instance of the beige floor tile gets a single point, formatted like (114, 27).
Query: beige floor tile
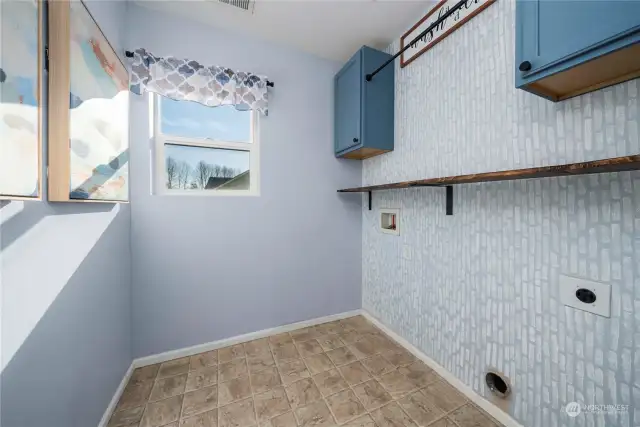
(363, 421)
(419, 373)
(399, 357)
(315, 415)
(372, 395)
(210, 358)
(330, 328)
(396, 384)
(304, 334)
(350, 336)
(391, 415)
(280, 340)
(444, 396)
(363, 348)
(270, 404)
(174, 367)
(265, 380)
(368, 329)
(470, 416)
(135, 395)
(302, 393)
(144, 374)
(382, 342)
(318, 363)
(377, 365)
(355, 322)
(168, 387)
(238, 414)
(308, 348)
(233, 369)
(421, 408)
(293, 371)
(162, 412)
(207, 419)
(260, 362)
(257, 347)
(228, 354)
(354, 373)
(341, 356)
(235, 389)
(284, 420)
(443, 422)
(126, 418)
(345, 406)
(330, 382)
(199, 401)
(205, 377)
(285, 353)
(330, 342)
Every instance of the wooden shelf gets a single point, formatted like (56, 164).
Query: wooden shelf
(616, 164)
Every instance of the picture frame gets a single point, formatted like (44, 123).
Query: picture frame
(21, 95)
(470, 9)
(88, 110)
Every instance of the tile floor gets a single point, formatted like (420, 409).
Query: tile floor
(346, 373)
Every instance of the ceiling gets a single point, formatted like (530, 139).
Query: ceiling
(332, 29)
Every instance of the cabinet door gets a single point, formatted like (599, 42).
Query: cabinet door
(347, 120)
(551, 30)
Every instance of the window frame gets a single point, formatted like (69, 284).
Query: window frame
(161, 139)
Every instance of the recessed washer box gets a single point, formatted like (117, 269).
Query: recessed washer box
(390, 221)
(594, 297)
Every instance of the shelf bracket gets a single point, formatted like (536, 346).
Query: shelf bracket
(449, 200)
(369, 200)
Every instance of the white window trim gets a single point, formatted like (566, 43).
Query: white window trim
(160, 177)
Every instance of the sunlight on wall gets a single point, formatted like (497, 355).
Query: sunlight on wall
(38, 265)
(9, 210)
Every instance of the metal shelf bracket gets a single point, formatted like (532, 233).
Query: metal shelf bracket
(449, 200)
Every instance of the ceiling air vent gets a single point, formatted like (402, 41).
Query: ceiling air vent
(241, 4)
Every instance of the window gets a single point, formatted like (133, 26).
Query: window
(204, 150)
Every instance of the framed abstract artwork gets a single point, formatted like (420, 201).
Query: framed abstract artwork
(21, 51)
(88, 110)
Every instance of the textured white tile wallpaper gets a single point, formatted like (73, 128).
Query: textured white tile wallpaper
(480, 288)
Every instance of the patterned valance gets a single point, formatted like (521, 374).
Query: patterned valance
(182, 79)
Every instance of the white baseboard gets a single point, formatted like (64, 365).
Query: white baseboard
(116, 397)
(480, 401)
(201, 348)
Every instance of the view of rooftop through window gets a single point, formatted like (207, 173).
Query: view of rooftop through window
(190, 167)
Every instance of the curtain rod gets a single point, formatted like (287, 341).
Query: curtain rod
(422, 34)
(129, 54)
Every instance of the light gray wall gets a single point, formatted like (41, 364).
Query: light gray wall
(65, 275)
(206, 268)
(480, 288)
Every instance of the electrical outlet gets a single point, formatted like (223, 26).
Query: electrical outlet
(594, 297)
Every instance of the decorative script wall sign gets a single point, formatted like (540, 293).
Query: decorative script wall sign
(468, 10)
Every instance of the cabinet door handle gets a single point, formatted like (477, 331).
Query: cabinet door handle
(355, 139)
(525, 66)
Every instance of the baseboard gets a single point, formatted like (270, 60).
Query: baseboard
(116, 397)
(201, 348)
(474, 397)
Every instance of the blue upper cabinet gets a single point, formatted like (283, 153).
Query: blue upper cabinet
(364, 109)
(566, 48)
